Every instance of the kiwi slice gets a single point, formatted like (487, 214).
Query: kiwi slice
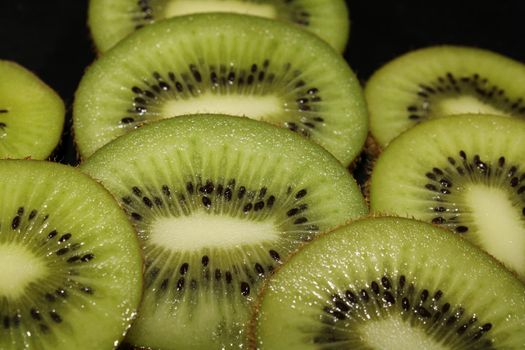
(218, 202)
(465, 173)
(111, 21)
(71, 275)
(390, 283)
(31, 114)
(439, 81)
(223, 63)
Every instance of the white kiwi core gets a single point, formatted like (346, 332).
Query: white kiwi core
(203, 230)
(186, 7)
(255, 107)
(19, 267)
(395, 334)
(466, 104)
(498, 222)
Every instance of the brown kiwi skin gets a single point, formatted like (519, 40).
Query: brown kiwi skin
(251, 325)
(361, 168)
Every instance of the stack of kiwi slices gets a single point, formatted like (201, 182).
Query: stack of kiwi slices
(111, 21)
(218, 202)
(241, 65)
(213, 207)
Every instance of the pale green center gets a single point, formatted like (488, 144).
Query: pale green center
(18, 268)
(395, 334)
(498, 222)
(255, 107)
(203, 230)
(466, 104)
(186, 7)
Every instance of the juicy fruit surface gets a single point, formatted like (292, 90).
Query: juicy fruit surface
(242, 66)
(390, 283)
(71, 276)
(440, 81)
(31, 114)
(111, 21)
(465, 173)
(218, 203)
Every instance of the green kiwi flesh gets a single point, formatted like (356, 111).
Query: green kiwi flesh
(465, 173)
(218, 202)
(111, 21)
(71, 275)
(390, 283)
(442, 80)
(240, 66)
(31, 114)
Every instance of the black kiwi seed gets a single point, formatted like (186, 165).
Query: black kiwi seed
(375, 287)
(228, 276)
(180, 284)
(35, 314)
(258, 206)
(352, 298)
(300, 220)
(241, 192)
(184, 268)
(73, 259)
(364, 295)
(245, 289)
(206, 202)
(55, 316)
(32, 214)
(64, 237)
(62, 251)
(52, 234)
(275, 256)
(385, 282)
(87, 257)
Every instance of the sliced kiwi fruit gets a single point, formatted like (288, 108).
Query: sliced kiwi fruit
(465, 173)
(223, 63)
(218, 203)
(111, 21)
(31, 114)
(71, 275)
(439, 81)
(390, 283)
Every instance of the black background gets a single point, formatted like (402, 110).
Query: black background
(51, 38)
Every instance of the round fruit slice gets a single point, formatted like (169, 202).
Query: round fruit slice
(71, 275)
(111, 21)
(218, 203)
(465, 173)
(31, 114)
(390, 283)
(240, 66)
(439, 81)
